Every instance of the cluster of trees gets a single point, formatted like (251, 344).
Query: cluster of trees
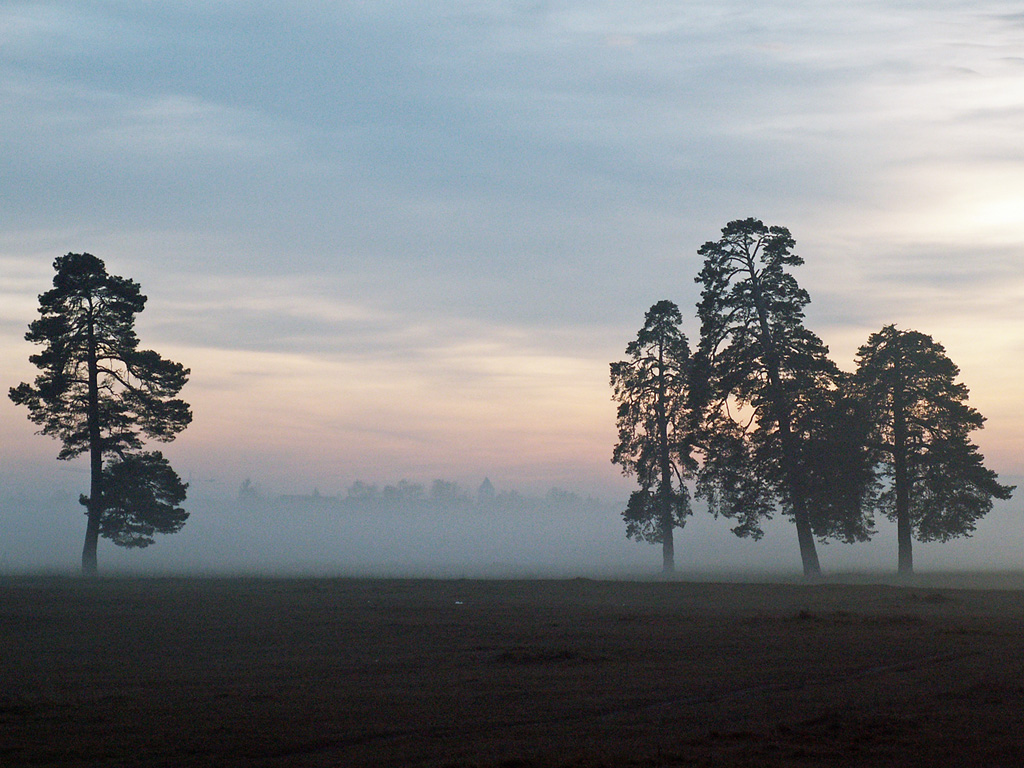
(759, 419)
(99, 394)
(441, 496)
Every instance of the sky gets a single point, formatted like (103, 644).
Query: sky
(401, 240)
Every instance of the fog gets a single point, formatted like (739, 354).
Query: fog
(386, 238)
(559, 535)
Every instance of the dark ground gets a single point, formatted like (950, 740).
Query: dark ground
(337, 672)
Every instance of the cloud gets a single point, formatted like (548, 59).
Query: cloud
(475, 204)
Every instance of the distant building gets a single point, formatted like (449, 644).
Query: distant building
(485, 493)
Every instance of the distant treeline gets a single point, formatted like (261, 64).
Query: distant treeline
(410, 497)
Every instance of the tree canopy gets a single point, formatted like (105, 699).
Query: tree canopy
(141, 495)
(98, 393)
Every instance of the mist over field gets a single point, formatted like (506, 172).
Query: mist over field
(560, 534)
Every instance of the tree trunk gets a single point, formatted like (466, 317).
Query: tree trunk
(904, 533)
(668, 554)
(804, 533)
(95, 504)
(905, 538)
(791, 465)
(92, 536)
(805, 537)
(668, 551)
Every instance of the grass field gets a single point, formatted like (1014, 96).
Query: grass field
(348, 672)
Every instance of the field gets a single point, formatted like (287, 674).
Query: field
(346, 672)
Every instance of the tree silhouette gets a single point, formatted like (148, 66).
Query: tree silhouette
(938, 487)
(769, 397)
(98, 393)
(654, 429)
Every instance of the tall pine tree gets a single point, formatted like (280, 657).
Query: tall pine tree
(936, 485)
(770, 399)
(99, 394)
(655, 432)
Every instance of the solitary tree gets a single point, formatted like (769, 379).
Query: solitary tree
(936, 486)
(655, 433)
(769, 398)
(98, 393)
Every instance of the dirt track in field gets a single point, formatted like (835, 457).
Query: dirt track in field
(339, 672)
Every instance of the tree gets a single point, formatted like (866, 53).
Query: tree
(98, 393)
(937, 485)
(485, 494)
(654, 436)
(769, 398)
(446, 496)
